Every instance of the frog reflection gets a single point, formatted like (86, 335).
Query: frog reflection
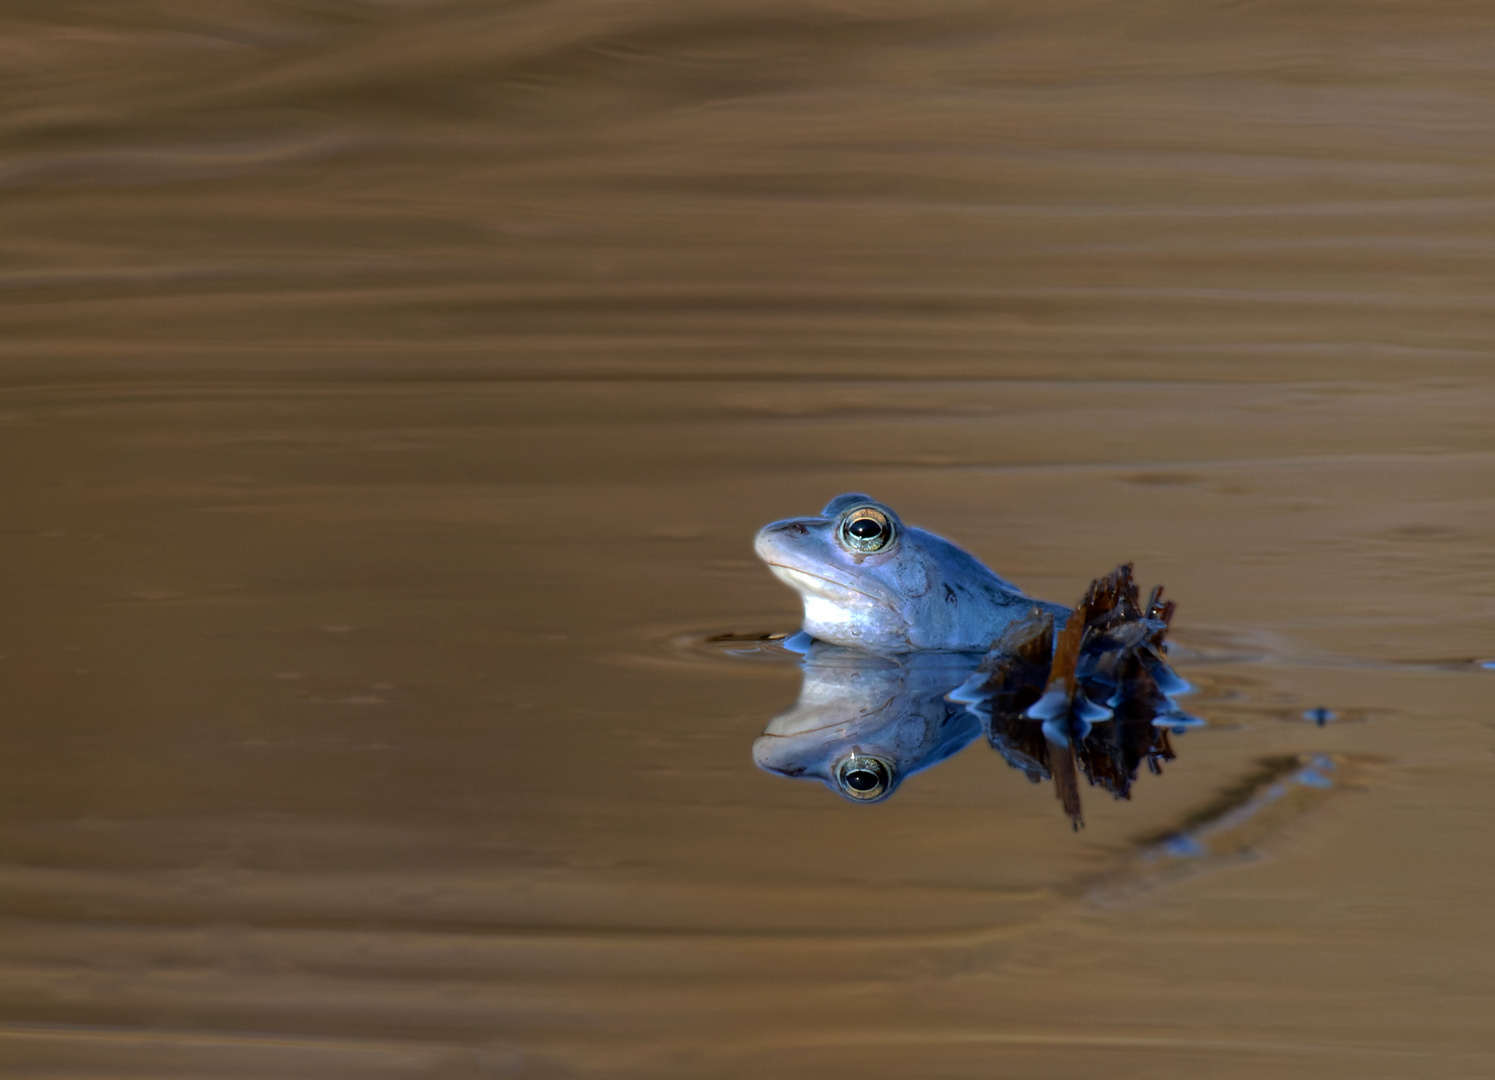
(1094, 699)
(863, 723)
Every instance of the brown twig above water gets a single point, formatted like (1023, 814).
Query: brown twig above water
(1098, 700)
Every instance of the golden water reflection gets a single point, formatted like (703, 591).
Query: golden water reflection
(387, 391)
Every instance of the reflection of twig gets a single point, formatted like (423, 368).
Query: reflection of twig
(1235, 825)
(1066, 783)
(1236, 795)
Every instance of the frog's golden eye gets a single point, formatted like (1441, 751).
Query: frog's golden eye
(866, 530)
(863, 778)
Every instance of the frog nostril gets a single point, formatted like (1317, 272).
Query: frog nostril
(794, 526)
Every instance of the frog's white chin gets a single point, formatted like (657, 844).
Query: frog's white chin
(854, 624)
(830, 621)
(839, 613)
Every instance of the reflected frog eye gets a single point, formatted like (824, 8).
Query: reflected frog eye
(866, 530)
(863, 778)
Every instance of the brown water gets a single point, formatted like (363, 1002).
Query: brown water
(390, 393)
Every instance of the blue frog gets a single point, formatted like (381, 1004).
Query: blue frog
(869, 581)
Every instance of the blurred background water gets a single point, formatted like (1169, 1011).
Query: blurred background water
(389, 393)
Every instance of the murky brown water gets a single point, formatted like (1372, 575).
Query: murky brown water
(389, 394)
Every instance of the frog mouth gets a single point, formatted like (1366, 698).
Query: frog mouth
(815, 584)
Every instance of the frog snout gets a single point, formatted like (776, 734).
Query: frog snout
(775, 538)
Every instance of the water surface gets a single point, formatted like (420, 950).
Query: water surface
(390, 394)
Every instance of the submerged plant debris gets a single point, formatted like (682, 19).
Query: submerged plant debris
(1098, 701)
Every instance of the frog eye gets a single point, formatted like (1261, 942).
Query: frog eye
(863, 778)
(866, 530)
